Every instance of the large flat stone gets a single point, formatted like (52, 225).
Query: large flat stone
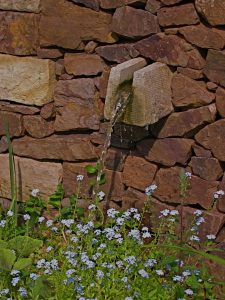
(212, 10)
(74, 147)
(20, 32)
(38, 127)
(93, 4)
(21, 5)
(33, 79)
(109, 4)
(220, 101)
(14, 121)
(117, 53)
(30, 175)
(65, 25)
(119, 74)
(206, 168)
(18, 108)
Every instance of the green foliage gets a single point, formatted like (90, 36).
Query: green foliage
(22, 263)
(43, 288)
(24, 245)
(56, 198)
(7, 259)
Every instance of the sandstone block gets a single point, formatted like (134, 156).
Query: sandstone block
(212, 10)
(153, 6)
(213, 38)
(14, 121)
(93, 4)
(80, 64)
(220, 101)
(185, 124)
(118, 53)
(18, 108)
(170, 2)
(200, 151)
(171, 50)
(20, 32)
(74, 147)
(30, 174)
(38, 127)
(20, 5)
(138, 173)
(48, 111)
(178, 15)
(215, 66)
(33, 79)
(206, 168)
(3, 144)
(66, 25)
(189, 93)
(212, 137)
(119, 74)
(200, 191)
(109, 4)
(115, 159)
(49, 53)
(191, 73)
(143, 23)
(166, 152)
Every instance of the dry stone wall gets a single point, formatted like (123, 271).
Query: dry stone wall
(55, 61)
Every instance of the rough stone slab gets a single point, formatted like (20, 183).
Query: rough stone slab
(93, 4)
(200, 151)
(66, 25)
(152, 95)
(220, 101)
(38, 127)
(212, 10)
(119, 74)
(15, 122)
(170, 2)
(33, 79)
(110, 4)
(206, 168)
(133, 23)
(19, 33)
(30, 175)
(18, 108)
(117, 53)
(73, 147)
(153, 6)
(20, 5)
(191, 73)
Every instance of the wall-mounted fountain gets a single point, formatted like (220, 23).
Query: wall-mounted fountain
(149, 89)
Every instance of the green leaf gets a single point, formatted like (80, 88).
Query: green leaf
(80, 211)
(3, 244)
(24, 245)
(43, 288)
(102, 179)
(73, 200)
(7, 259)
(22, 263)
(91, 169)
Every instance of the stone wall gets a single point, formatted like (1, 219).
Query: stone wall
(55, 61)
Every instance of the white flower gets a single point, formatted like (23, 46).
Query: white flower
(128, 298)
(137, 217)
(146, 235)
(199, 221)
(130, 260)
(211, 236)
(174, 212)
(70, 272)
(124, 279)
(14, 272)
(159, 272)
(188, 174)
(111, 212)
(34, 276)
(26, 217)
(198, 212)
(4, 292)
(143, 273)
(100, 274)
(92, 207)
(150, 262)
(177, 278)
(80, 177)
(49, 223)
(165, 212)
(194, 238)
(35, 192)
(41, 219)
(119, 221)
(189, 292)
(9, 213)
(49, 248)
(2, 223)
(101, 195)
(15, 280)
(68, 222)
(150, 189)
(186, 273)
(23, 292)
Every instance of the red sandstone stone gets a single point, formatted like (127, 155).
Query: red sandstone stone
(93, 4)
(73, 147)
(200, 151)
(211, 86)
(138, 173)
(212, 137)
(90, 47)
(19, 33)
(48, 111)
(170, 2)
(170, 49)
(117, 53)
(189, 93)
(185, 124)
(115, 159)
(143, 22)
(14, 121)
(220, 101)
(3, 144)
(191, 73)
(38, 127)
(167, 152)
(49, 53)
(80, 64)
(206, 168)
(199, 191)
(215, 67)
(213, 38)
(18, 108)
(178, 15)
(109, 4)
(103, 84)
(153, 6)
(212, 10)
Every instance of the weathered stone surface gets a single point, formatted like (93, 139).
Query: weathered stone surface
(20, 32)
(65, 25)
(212, 137)
(199, 191)
(178, 15)
(187, 123)
(80, 64)
(151, 95)
(113, 188)
(93, 4)
(143, 22)
(30, 175)
(75, 106)
(73, 147)
(33, 79)
(22, 109)
(211, 86)
(191, 73)
(109, 4)
(118, 53)
(212, 10)
(14, 121)
(38, 127)
(167, 152)
(189, 93)
(213, 38)
(200, 151)
(115, 159)
(3, 144)
(103, 82)
(119, 74)
(170, 2)
(49, 53)
(220, 101)
(138, 173)
(48, 111)
(206, 168)
(215, 66)
(21, 5)
(153, 6)
(170, 49)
